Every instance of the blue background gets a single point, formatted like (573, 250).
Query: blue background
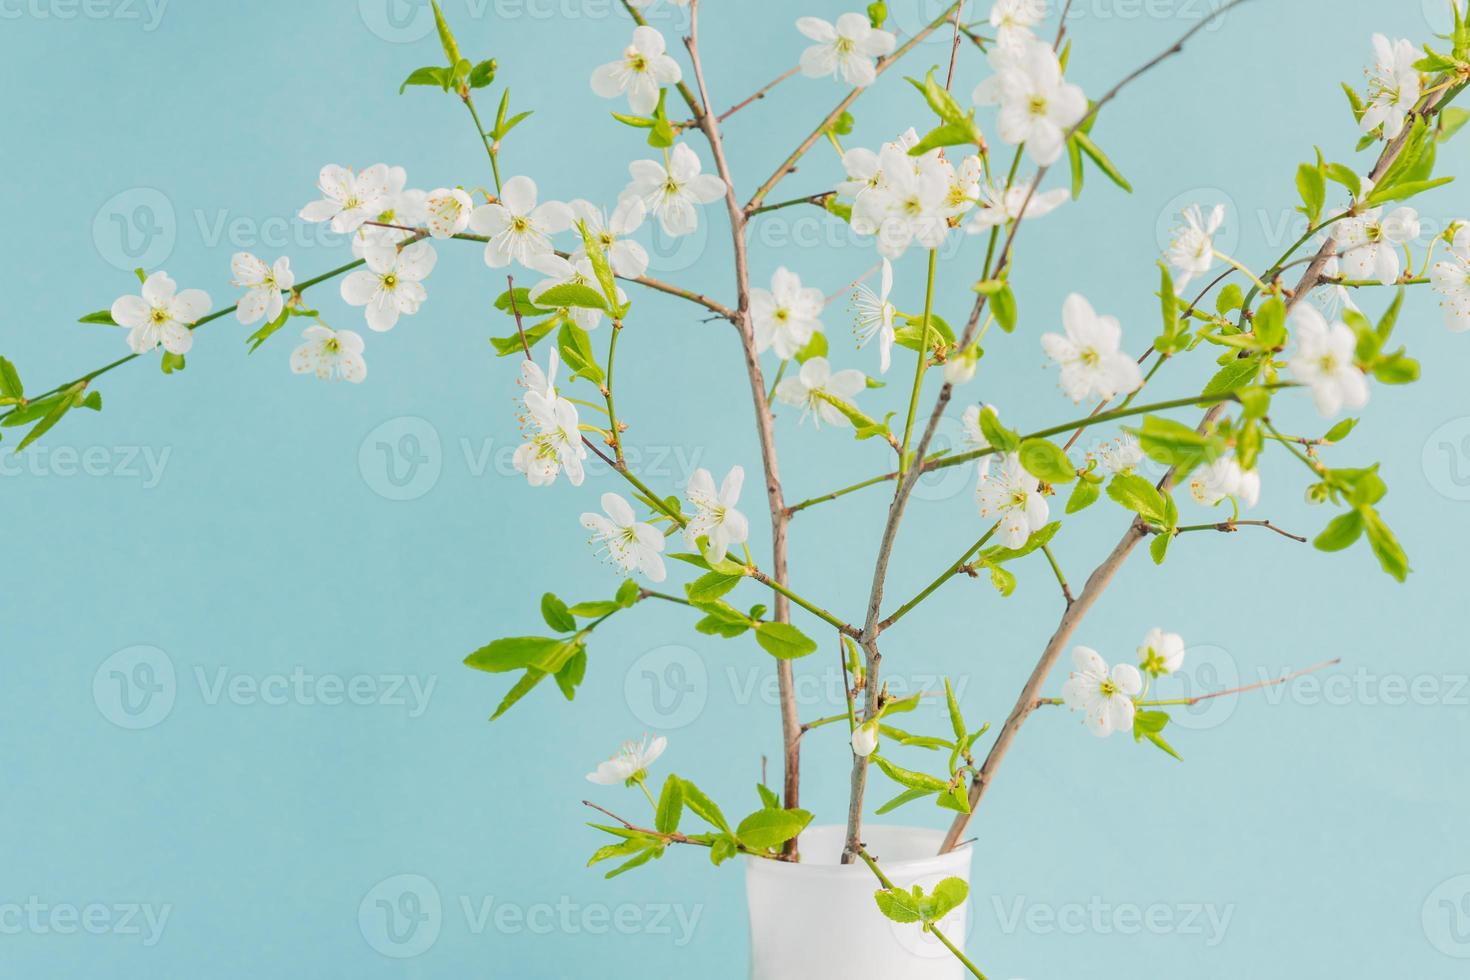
(1324, 824)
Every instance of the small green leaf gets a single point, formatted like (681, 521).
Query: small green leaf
(784, 641)
(702, 806)
(670, 806)
(1046, 461)
(1340, 532)
(556, 614)
(767, 828)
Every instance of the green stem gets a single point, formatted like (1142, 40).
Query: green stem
(945, 576)
(469, 102)
(934, 929)
(607, 390)
(776, 381)
(1057, 570)
(809, 606)
(908, 426)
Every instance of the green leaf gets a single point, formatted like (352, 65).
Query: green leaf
(436, 76)
(956, 719)
(1084, 494)
(591, 610)
(767, 829)
(1095, 153)
(711, 586)
(512, 343)
(171, 362)
(1347, 177)
(1046, 461)
(572, 294)
(627, 593)
(948, 134)
(1236, 374)
(906, 797)
(523, 687)
(1168, 302)
(1312, 186)
(1004, 440)
(769, 799)
(268, 329)
(10, 385)
(722, 619)
(909, 778)
(572, 673)
(1231, 298)
(483, 74)
(1405, 190)
(670, 806)
(513, 653)
(816, 347)
(939, 99)
(446, 36)
(1159, 547)
(101, 316)
(1003, 304)
(1385, 545)
(1340, 431)
(784, 641)
(898, 904)
(651, 852)
(556, 614)
(576, 351)
(522, 304)
(702, 806)
(1340, 532)
(1140, 496)
(1176, 444)
(948, 895)
(69, 400)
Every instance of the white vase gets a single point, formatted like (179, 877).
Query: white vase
(817, 920)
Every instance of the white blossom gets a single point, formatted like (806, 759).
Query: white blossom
(875, 316)
(1105, 696)
(630, 544)
(671, 193)
(1368, 243)
(1089, 354)
(814, 384)
(1451, 279)
(330, 354)
(518, 228)
(630, 764)
(1394, 86)
(715, 517)
(263, 286)
(161, 315)
(1324, 359)
(1037, 106)
(643, 69)
(1014, 19)
(1013, 497)
(909, 205)
(1192, 246)
(865, 739)
(785, 316)
(849, 48)
(1000, 206)
(348, 199)
(626, 257)
(1225, 478)
(447, 211)
(1122, 455)
(863, 166)
(553, 440)
(1160, 652)
(392, 283)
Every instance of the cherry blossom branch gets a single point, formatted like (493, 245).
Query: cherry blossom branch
(844, 628)
(1057, 571)
(760, 93)
(883, 64)
(765, 426)
(1103, 575)
(96, 373)
(944, 576)
(1259, 685)
(683, 88)
(820, 200)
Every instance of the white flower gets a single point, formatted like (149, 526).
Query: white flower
(1119, 456)
(862, 165)
(642, 71)
(1324, 360)
(865, 739)
(518, 228)
(908, 207)
(1106, 696)
(1013, 20)
(349, 199)
(553, 441)
(850, 48)
(670, 194)
(392, 284)
(1192, 247)
(1089, 354)
(1037, 107)
(561, 272)
(1161, 653)
(162, 315)
(1451, 279)
(631, 763)
(785, 316)
(1333, 298)
(447, 211)
(631, 544)
(263, 285)
(1393, 86)
(1368, 243)
(1001, 206)
(875, 317)
(1013, 497)
(403, 207)
(964, 184)
(960, 366)
(715, 516)
(815, 383)
(1224, 478)
(330, 354)
(627, 258)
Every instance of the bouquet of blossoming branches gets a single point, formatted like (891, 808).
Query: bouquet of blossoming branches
(950, 175)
